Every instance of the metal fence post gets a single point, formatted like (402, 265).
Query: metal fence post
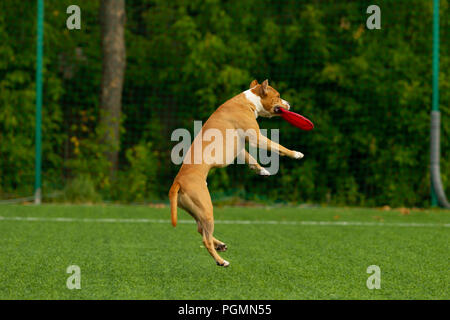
(39, 63)
(437, 190)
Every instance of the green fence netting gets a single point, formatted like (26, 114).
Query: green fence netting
(368, 93)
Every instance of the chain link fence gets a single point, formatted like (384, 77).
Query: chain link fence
(368, 93)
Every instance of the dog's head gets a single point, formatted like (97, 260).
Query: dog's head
(269, 98)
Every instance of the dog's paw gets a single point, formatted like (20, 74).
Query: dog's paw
(263, 172)
(222, 247)
(298, 155)
(224, 264)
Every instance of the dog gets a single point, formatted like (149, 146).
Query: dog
(189, 190)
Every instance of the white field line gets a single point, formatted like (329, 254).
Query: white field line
(254, 222)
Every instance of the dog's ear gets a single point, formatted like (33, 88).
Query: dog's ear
(253, 84)
(264, 88)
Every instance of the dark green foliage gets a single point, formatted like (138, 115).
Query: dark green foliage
(368, 93)
(81, 190)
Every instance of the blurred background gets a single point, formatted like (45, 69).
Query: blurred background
(111, 102)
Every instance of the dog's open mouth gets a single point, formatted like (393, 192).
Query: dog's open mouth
(277, 109)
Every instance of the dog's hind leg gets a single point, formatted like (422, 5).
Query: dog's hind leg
(219, 245)
(207, 223)
(197, 201)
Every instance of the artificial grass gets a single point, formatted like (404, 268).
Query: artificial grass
(142, 260)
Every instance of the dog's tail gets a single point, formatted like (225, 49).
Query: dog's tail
(173, 197)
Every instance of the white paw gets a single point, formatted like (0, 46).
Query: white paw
(224, 264)
(264, 172)
(298, 155)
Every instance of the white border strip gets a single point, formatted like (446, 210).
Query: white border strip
(261, 222)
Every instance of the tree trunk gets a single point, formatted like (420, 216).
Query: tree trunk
(112, 18)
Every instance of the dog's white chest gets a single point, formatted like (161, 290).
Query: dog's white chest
(256, 101)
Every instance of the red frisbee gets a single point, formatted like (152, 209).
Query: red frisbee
(295, 119)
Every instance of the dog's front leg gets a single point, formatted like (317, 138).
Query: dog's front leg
(252, 163)
(267, 144)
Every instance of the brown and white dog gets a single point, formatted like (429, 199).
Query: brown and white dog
(189, 190)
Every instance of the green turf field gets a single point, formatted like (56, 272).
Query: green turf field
(127, 252)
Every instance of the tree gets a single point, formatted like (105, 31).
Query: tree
(112, 17)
